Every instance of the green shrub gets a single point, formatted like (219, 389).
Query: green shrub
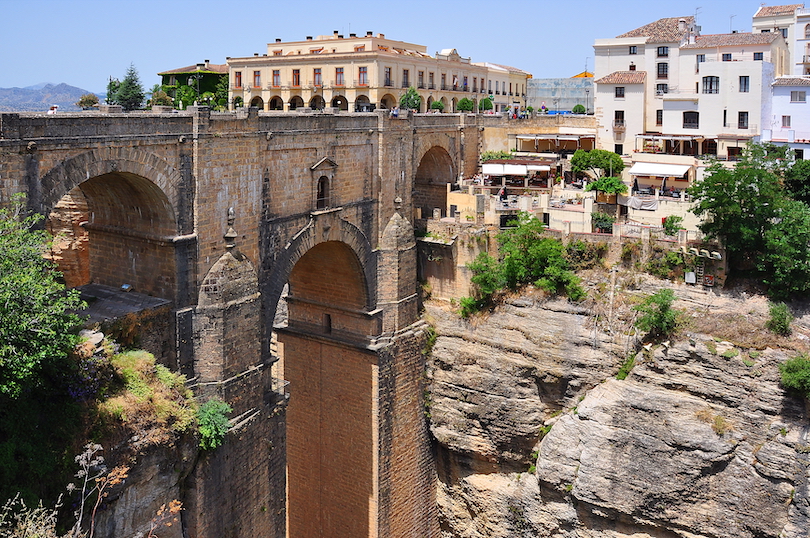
(658, 319)
(603, 222)
(669, 265)
(780, 319)
(526, 257)
(796, 374)
(437, 105)
(626, 367)
(672, 224)
(213, 423)
(578, 109)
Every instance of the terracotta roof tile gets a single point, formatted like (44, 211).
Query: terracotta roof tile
(212, 68)
(792, 81)
(774, 11)
(623, 77)
(730, 40)
(661, 31)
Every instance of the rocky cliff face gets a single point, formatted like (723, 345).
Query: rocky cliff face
(536, 437)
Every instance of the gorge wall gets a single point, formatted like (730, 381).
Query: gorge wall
(536, 437)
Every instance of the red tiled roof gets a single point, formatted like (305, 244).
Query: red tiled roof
(730, 40)
(791, 81)
(623, 77)
(774, 11)
(661, 31)
(212, 68)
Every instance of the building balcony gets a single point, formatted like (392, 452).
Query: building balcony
(431, 86)
(619, 126)
(421, 85)
(388, 83)
(691, 125)
(338, 83)
(405, 84)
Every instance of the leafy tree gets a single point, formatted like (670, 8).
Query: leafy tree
(410, 100)
(607, 184)
(465, 105)
(672, 224)
(88, 100)
(599, 162)
(185, 95)
(112, 91)
(602, 221)
(485, 104)
(785, 261)
(526, 257)
(797, 181)
(221, 93)
(578, 109)
(658, 319)
(160, 98)
(530, 109)
(437, 105)
(37, 326)
(130, 94)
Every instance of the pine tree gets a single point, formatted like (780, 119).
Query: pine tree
(130, 94)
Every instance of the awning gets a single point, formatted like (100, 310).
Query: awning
(659, 169)
(536, 137)
(492, 169)
(504, 169)
(539, 167)
(514, 169)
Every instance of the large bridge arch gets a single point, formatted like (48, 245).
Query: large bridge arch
(115, 220)
(332, 370)
(434, 172)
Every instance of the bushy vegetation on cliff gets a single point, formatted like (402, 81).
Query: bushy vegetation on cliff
(59, 390)
(525, 257)
(759, 211)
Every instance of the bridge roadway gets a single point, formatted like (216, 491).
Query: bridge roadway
(217, 214)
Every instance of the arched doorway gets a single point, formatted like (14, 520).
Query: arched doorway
(388, 101)
(317, 102)
(276, 103)
(257, 101)
(340, 102)
(116, 229)
(429, 102)
(362, 104)
(454, 105)
(296, 102)
(435, 171)
(331, 448)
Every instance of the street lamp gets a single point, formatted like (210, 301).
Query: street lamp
(587, 102)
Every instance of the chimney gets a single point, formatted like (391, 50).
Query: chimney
(207, 63)
(255, 54)
(340, 36)
(369, 34)
(381, 36)
(278, 40)
(352, 35)
(335, 33)
(309, 38)
(682, 25)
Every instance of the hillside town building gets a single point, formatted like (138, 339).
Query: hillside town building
(363, 73)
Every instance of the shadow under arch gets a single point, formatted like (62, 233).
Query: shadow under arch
(434, 172)
(117, 222)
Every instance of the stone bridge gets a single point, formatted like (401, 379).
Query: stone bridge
(285, 246)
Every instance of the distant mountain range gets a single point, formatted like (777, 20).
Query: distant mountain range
(40, 97)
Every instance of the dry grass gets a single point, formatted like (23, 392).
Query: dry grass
(151, 402)
(744, 331)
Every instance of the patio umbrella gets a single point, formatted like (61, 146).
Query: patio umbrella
(635, 185)
(663, 184)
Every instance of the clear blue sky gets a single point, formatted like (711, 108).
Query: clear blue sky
(84, 42)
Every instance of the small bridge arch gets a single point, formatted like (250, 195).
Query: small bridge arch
(435, 171)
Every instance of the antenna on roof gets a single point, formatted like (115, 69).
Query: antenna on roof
(697, 9)
(730, 20)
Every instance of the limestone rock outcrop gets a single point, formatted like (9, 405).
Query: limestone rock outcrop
(536, 436)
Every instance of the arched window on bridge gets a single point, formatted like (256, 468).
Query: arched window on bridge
(322, 198)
